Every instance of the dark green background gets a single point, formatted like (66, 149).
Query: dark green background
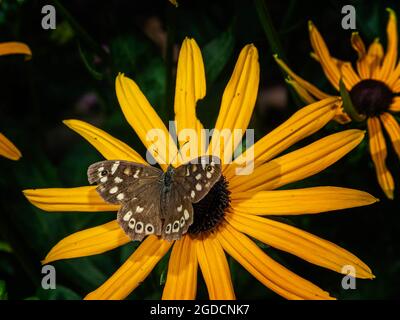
(37, 95)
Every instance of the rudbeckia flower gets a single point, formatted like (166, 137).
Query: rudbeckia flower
(7, 148)
(373, 87)
(233, 210)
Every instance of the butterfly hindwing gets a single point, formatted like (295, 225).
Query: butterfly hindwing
(197, 177)
(140, 216)
(177, 214)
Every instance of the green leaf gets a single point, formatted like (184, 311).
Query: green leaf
(348, 104)
(60, 293)
(217, 53)
(3, 291)
(5, 247)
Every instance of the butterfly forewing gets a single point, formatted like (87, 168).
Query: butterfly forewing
(119, 181)
(197, 177)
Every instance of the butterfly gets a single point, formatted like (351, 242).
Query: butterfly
(153, 201)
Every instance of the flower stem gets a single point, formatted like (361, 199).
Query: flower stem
(268, 28)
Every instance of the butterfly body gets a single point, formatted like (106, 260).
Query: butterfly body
(153, 201)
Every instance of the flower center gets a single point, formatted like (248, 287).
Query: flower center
(210, 211)
(371, 97)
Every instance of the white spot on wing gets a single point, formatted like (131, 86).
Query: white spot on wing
(139, 227)
(139, 209)
(104, 179)
(127, 215)
(186, 214)
(198, 176)
(113, 190)
(118, 180)
(208, 175)
(198, 187)
(121, 196)
(131, 223)
(193, 194)
(149, 229)
(114, 167)
(179, 208)
(136, 175)
(175, 226)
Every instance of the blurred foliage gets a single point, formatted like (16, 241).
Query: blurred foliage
(69, 77)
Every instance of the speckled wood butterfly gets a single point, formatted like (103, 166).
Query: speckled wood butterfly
(153, 201)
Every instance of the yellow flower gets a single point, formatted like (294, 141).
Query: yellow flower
(228, 225)
(373, 90)
(7, 148)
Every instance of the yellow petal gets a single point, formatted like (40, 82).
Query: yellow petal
(300, 201)
(7, 48)
(182, 271)
(300, 243)
(395, 106)
(321, 50)
(358, 44)
(88, 242)
(374, 58)
(214, 268)
(264, 269)
(362, 65)
(110, 147)
(68, 199)
(237, 105)
(303, 83)
(299, 164)
(133, 272)
(145, 121)
(393, 80)
(350, 77)
(378, 152)
(303, 123)
(8, 149)
(390, 60)
(190, 87)
(393, 130)
(303, 93)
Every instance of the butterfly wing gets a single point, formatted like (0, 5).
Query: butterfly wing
(140, 216)
(177, 213)
(137, 188)
(190, 183)
(119, 181)
(198, 176)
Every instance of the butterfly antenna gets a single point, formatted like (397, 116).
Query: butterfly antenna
(178, 152)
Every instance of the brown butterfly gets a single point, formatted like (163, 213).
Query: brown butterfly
(153, 201)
